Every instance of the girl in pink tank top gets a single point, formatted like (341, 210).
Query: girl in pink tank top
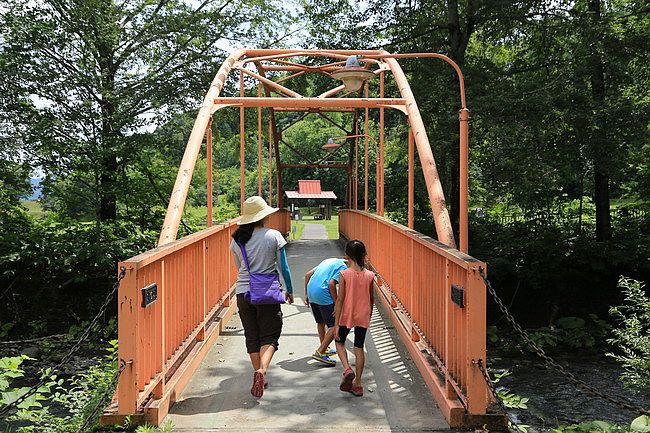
(353, 310)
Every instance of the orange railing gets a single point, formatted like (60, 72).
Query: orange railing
(415, 278)
(162, 344)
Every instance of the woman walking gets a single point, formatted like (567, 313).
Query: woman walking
(257, 251)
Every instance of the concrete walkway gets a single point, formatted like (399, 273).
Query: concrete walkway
(313, 232)
(303, 395)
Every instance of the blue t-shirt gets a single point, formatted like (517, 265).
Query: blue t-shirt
(317, 288)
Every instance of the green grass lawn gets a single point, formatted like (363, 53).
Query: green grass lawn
(299, 227)
(331, 226)
(34, 208)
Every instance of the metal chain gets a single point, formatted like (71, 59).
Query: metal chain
(5, 409)
(110, 388)
(495, 393)
(550, 362)
(33, 340)
(490, 384)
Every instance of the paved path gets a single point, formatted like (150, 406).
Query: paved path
(314, 231)
(303, 395)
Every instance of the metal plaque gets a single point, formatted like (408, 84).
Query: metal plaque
(458, 295)
(149, 295)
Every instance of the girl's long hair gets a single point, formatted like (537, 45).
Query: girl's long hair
(356, 250)
(243, 234)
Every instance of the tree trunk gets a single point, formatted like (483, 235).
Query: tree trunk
(599, 140)
(110, 132)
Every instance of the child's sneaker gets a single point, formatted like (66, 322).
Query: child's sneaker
(357, 390)
(346, 383)
(330, 352)
(323, 358)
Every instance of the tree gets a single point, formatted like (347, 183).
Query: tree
(93, 74)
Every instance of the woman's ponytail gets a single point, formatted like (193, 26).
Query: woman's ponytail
(243, 234)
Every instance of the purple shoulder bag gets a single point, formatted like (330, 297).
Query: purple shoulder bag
(264, 288)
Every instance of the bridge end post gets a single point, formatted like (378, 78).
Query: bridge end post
(476, 388)
(127, 313)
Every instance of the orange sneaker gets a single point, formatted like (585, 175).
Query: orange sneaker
(346, 383)
(258, 384)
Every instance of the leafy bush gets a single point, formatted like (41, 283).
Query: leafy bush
(61, 268)
(10, 371)
(572, 332)
(632, 336)
(547, 269)
(508, 398)
(638, 425)
(78, 398)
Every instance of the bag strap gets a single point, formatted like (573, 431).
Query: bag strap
(245, 256)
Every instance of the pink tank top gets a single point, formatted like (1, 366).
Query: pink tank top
(356, 308)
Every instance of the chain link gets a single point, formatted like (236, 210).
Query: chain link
(550, 362)
(34, 389)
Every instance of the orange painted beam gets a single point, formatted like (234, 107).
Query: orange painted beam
(309, 102)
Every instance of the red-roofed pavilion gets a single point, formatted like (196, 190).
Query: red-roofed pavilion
(311, 190)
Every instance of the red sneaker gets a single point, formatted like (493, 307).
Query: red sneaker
(346, 383)
(357, 390)
(258, 384)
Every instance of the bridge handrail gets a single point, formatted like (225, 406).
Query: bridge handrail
(415, 278)
(276, 221)
(162, 343)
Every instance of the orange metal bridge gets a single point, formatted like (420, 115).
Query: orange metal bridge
(162, 344)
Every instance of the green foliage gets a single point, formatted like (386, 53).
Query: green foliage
(508, 398)
(81, 249)
(82, 95)
(631, 336)
(10, 371)
(638, 425)
(547, 268)
(572, 332)
(492, 334)
(77, 398)
(166, 427)
(641, 424)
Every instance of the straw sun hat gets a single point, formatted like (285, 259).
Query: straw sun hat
(255, 209)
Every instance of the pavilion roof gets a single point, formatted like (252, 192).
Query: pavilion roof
(310, 189)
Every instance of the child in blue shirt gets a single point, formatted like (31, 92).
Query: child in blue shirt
(320, 294)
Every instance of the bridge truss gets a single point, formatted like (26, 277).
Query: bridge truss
(163, 344)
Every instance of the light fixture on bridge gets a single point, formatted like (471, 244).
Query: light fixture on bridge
(353, 74)
(331, 146)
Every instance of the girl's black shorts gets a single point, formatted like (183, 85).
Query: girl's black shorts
(359, 335)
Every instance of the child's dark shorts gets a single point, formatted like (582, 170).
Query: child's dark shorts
(262, 324)
(359, 335)
(323, 313)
